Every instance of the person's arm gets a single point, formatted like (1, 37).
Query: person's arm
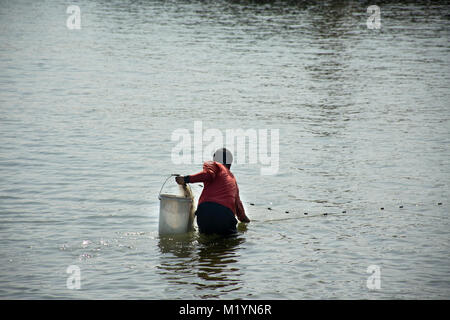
(240, 211)
(207, 174)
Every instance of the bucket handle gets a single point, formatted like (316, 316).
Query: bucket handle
(172, 175)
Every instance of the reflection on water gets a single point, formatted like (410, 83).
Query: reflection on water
(207, 262)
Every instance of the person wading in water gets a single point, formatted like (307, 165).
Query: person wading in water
(219, 204)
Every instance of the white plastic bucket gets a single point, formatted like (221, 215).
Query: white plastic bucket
(175, 214)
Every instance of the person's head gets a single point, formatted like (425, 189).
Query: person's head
(223, 156)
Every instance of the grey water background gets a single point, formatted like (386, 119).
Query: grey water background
(85, 145)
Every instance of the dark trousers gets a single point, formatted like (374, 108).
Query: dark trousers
(215, 218)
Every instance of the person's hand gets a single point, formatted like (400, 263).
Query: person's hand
(245, 219)
(180, 180)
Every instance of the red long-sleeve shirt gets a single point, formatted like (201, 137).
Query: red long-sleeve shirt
(220, 187)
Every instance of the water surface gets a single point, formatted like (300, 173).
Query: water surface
(85, 143)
